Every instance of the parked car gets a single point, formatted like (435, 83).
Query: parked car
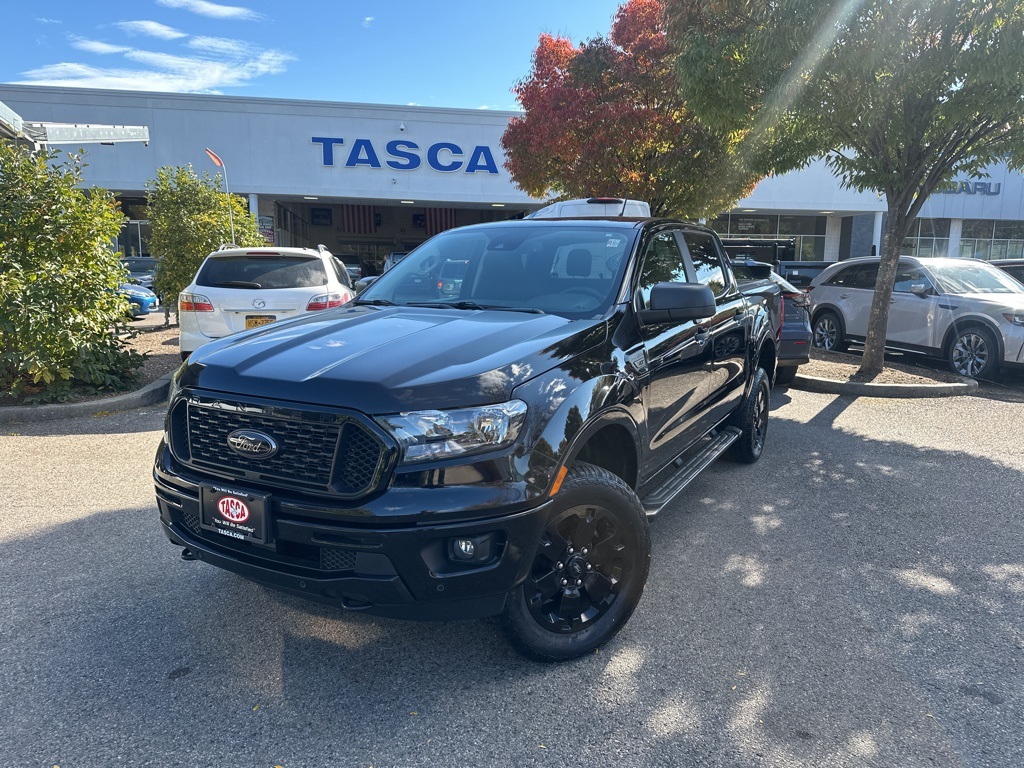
(965, 311)
(802, 273)
(414, 457)
(593, 206)
(237, 289)
(1013, 267)
(142, 300)
(795, 344)
(449, 280)
(141, 269)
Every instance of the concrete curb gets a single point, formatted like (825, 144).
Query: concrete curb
(862, 389)
(148, 395)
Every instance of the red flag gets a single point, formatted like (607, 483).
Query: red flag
(439, 219)
(213, 156)
(358, 219)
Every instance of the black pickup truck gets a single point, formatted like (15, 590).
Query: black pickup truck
(498, 450)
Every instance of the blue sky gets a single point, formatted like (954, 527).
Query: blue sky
(446, 53)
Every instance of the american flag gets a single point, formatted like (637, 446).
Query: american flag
(357, 219)
(439, 219)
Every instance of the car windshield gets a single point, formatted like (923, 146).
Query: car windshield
(139, 264)
(573, 271)
(973, 277)
(257, 271)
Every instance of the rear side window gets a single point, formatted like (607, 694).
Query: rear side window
(262, 272)
(706, 261)
(859, 276)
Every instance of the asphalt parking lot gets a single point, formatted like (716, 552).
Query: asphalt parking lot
(854, 599)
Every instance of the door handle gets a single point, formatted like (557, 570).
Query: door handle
(844, 295)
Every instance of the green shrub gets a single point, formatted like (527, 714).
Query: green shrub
(189, 218)
(61, 320)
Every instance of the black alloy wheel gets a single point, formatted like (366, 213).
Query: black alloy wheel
(752, 420)
(589, 570)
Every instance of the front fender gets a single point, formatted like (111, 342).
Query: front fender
(569, 411)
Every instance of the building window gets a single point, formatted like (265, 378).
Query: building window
(928, 237)
(807, 231)
(988, 239)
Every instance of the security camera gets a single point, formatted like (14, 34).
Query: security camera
(401, 126)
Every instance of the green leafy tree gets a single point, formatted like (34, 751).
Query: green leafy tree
(898, 96)
(189, 218)
(606, 118)
(61, 319)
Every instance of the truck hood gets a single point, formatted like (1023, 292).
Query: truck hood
(382, 360)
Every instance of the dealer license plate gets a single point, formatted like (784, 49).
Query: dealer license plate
(255, 321)
(234, 513)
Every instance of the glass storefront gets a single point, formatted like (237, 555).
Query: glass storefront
(808, 231)
(928, 237)
(992, 239)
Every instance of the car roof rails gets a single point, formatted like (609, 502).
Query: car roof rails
(321, 248)
(226, 246)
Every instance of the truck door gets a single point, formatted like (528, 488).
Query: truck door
(730, 329)
(677, 357)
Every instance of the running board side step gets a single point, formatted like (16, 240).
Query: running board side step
(689, 468)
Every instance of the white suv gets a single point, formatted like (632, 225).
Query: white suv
(963, 310)
(240, 288)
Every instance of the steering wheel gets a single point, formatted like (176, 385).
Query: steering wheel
(589, 291)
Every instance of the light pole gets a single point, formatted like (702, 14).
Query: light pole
(220, 164)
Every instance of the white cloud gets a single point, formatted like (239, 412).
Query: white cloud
(164, 72)
(213, 10)
(367, 21)
(49, 21)
(151, 28)
(220, 45)
(95, 46)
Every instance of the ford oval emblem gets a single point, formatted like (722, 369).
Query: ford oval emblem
(253, 444)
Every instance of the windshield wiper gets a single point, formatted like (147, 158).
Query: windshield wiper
(238, 284)
(472, 305)
(376, 302)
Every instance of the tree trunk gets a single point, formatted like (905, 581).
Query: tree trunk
(896, 226)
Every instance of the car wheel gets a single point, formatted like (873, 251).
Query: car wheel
(828, 333)
(752, 419)
(973, 352)
(589, 571)
(785, 376)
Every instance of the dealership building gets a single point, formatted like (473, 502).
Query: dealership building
(367, 179)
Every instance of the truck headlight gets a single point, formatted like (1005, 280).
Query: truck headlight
(427, 435)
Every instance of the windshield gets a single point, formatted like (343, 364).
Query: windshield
(973, 277)
(259, 271)
(573, 271)
(140, 264)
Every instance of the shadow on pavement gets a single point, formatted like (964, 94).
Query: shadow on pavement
(845, 602)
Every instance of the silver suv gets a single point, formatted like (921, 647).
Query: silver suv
(963, 310)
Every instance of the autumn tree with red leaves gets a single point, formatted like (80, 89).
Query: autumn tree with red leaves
(606, 118)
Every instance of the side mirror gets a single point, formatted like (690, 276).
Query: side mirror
(364, 282)
(920, 289)
(678, 303)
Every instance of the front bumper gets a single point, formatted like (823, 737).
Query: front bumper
(401, 571)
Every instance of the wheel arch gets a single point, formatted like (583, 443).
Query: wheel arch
(961, 324)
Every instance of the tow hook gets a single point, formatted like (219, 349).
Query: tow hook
(188, 555)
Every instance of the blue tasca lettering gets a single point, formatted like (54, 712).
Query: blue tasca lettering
(481, 160)
(405, 160)
(328, 147)
(434, 160)
(362, 154)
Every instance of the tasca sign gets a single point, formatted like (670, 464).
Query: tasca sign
(404, 155)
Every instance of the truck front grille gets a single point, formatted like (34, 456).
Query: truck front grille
(320, 452)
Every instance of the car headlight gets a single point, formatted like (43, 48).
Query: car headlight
(1017, 318)
(427, 435)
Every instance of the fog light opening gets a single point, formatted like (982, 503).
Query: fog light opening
(472, 549)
